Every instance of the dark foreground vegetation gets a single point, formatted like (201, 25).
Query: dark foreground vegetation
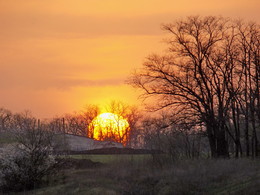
(146, 176)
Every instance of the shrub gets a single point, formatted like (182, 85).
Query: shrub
(29, 162)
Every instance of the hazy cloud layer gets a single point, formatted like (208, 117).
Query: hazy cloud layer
(52, 22)
(43, 83)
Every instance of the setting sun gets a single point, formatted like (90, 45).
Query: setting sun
(109, 126)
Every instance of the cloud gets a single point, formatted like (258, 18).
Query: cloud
(49, 24)
(56, 26)
(37, 82)
(66, 84)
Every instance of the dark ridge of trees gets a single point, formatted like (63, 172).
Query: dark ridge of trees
(210, 76)
(77, 123)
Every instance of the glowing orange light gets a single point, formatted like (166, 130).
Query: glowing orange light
(109, 126)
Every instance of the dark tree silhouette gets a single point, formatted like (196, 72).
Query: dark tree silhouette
(199, 77)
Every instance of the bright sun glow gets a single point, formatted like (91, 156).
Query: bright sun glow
(109, 126)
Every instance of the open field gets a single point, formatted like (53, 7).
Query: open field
(151, 174)
(139, 174)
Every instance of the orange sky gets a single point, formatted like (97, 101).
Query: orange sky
(56, 56)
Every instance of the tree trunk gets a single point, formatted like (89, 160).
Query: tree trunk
(212, 141)
(222, 149)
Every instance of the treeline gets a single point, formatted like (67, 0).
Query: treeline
(210, 78)
(83, 123)
(77, 123)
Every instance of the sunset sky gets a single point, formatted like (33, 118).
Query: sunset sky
(56, 56)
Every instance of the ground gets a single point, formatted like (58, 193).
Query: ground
(140, 174)
(133, 173)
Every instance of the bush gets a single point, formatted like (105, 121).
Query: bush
(29, 162)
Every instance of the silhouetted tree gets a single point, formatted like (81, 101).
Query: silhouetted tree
(132, 115)
(5, 118)
(199, 77)
(89, 113)
(248, 36)
(78, 123)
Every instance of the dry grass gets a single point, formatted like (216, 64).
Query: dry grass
(232, 176)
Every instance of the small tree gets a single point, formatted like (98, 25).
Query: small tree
(28, 163)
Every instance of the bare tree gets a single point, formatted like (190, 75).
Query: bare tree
(131, 115)
(89, 113)
(5, 118)
(78, 123)
(199, 78)
(32, 158)
(248, 35)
